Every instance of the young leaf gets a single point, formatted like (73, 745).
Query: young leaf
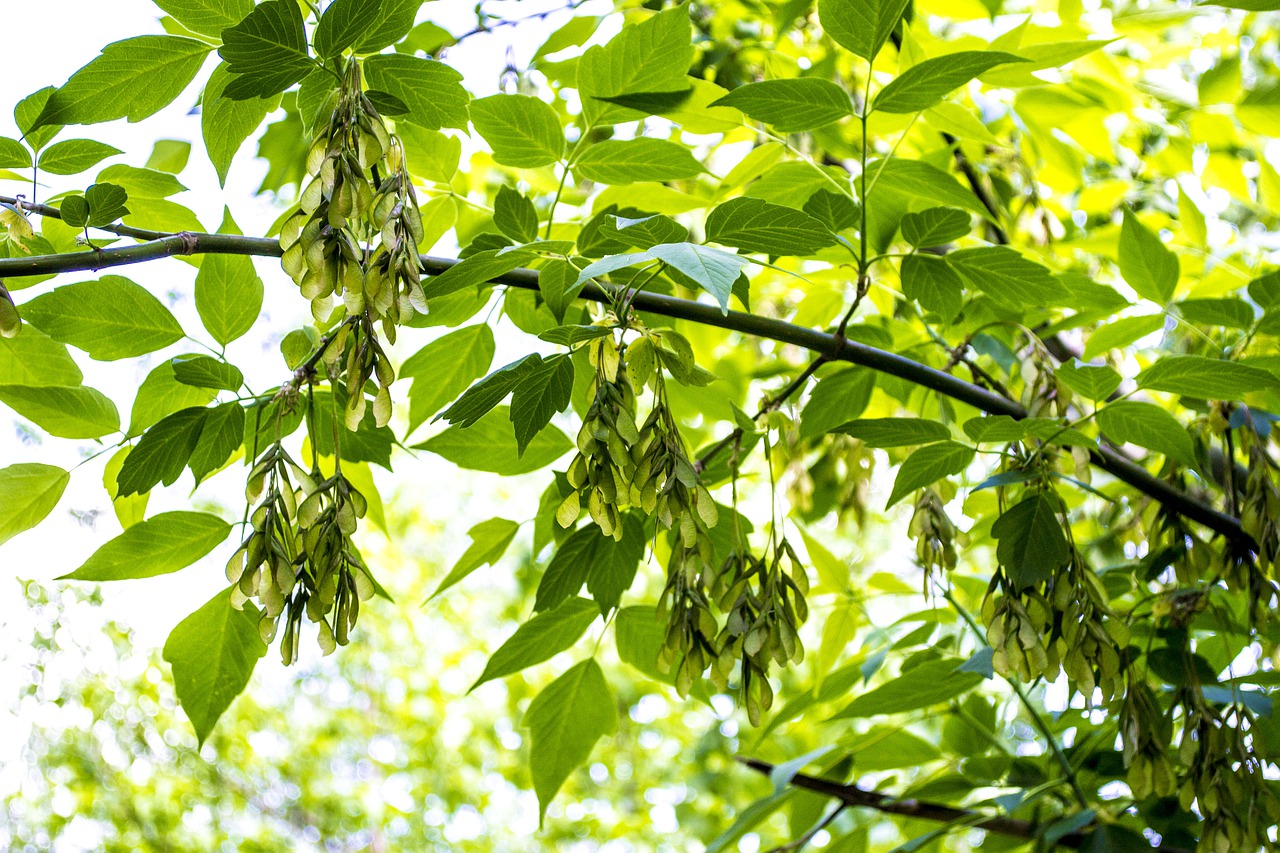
(935, 226)
(445, 368)
(916, 179)
(1031, 543)
(28, 493)
(1146, 263)
(927, 83)
(1206, 378)
(626, 161)
(1121, 333)
(1147, 425)
(541, 638)
(1228, 312)
(73, 156)
(160, 395)
(523, 131)
(835, 210)
(213, 652)
(489, 541)
(791, 105)
(67, 412)
(13, 154)
(432, 90)
(342, 23)
(490, 445)
(133, 79)
(515, 215)
(861, 26)
(895, 432)
(162, 453)
(157, 546)
(109, 319)
(565, 720)
(758, 226)
(266, 52)
(543, 390)
(928, 465)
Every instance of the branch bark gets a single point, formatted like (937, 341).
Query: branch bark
(885, 804)
(833, 347)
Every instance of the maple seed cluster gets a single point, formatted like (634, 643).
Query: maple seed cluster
(934, 533)
(298, 558)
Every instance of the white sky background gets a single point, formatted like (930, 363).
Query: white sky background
(45, 43)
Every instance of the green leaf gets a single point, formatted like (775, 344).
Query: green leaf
(213, 652)
(368, 443)
(67, 412)
(33, 358)
(1206, 378)
(106, 203)
(266, 52)
(935, 226)
(639, 635)
(558, 285)
(228, 291)
(995, 428)
(543, 390)
(445, 368)
(74, 211)
(28, 493)
(490, 445)
(934, 284)
(835, 210)
(759, 226)
(207, 17)
(226, 123)
(652, 103)
(916, 179)
(489, 541)
(565, 720)
(1007, 276)
(162, 453)
(158, 546)
(714, 270)
(570, 336)
(791, 105)
(26, 113)
(139, 183)
(473, 271)
(342, 23)
(222, 435)
(895, 432)
(927, 83)
(432, 90)
(133, 79)
(625, 161)
(642, 233)
(161, 394)
(1229, 312)
(203, 371)
(927, 465)
(1121, 333)
(652, 56)
(522, 130)
(541, 638)
(1031, 542)
(1147, 425)
(607, 566)
(73, 156)
(515, 215)
(394, 20)
(111, 318)
(860, 26)
(13, 154)
(922, 686)
(490, 391)
(1095, 381)
(1146, 263)
(837, 399)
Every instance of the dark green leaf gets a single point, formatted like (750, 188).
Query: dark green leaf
(933, 283)
(557, 282)
(895, 432)
(162, 453)
(133, 79)
(515, 215)
(642, 233)
(837, 399)
(445, 368)
(935, 226)
(1231, 313)
(569, 336)
(1032, 545)
(157, 546)
(473, 271)
(160, 395)
(432, 90)
(791, 105)
(1206, 378)
(607, 566)
(342, 23)
(541, 638)
(928, 82)
(1007, 276)
(1147, 425)
(861, 26)
(995, 428)
(227, 122)
(565, 720)
(651, 103)
(106, 203)
(758, 226)
(26, 113)
(928, 465)
(835, 210)
(222, 435)
(213, 652)
(543, 390)
(490, 445)
(1146, 263)
(523, 131)
(490, 391)
(75, 211)
(266, 52)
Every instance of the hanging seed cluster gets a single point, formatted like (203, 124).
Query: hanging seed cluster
(357, 347)
(934, 533)
(1146, 734)
(298, 557)
(393, 283)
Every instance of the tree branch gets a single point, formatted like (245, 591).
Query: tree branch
(832, 347)
(885, 804)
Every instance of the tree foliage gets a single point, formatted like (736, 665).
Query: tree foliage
(765, 278)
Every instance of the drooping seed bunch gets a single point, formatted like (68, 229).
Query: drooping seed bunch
(689, 641)
(1018, 630)
(934, 533)
(1146, 733)
(357, 346)
(1088, 636)
(393, 281)
(766, 607)
(298, 557)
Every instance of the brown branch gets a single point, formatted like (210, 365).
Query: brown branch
(885, 804)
